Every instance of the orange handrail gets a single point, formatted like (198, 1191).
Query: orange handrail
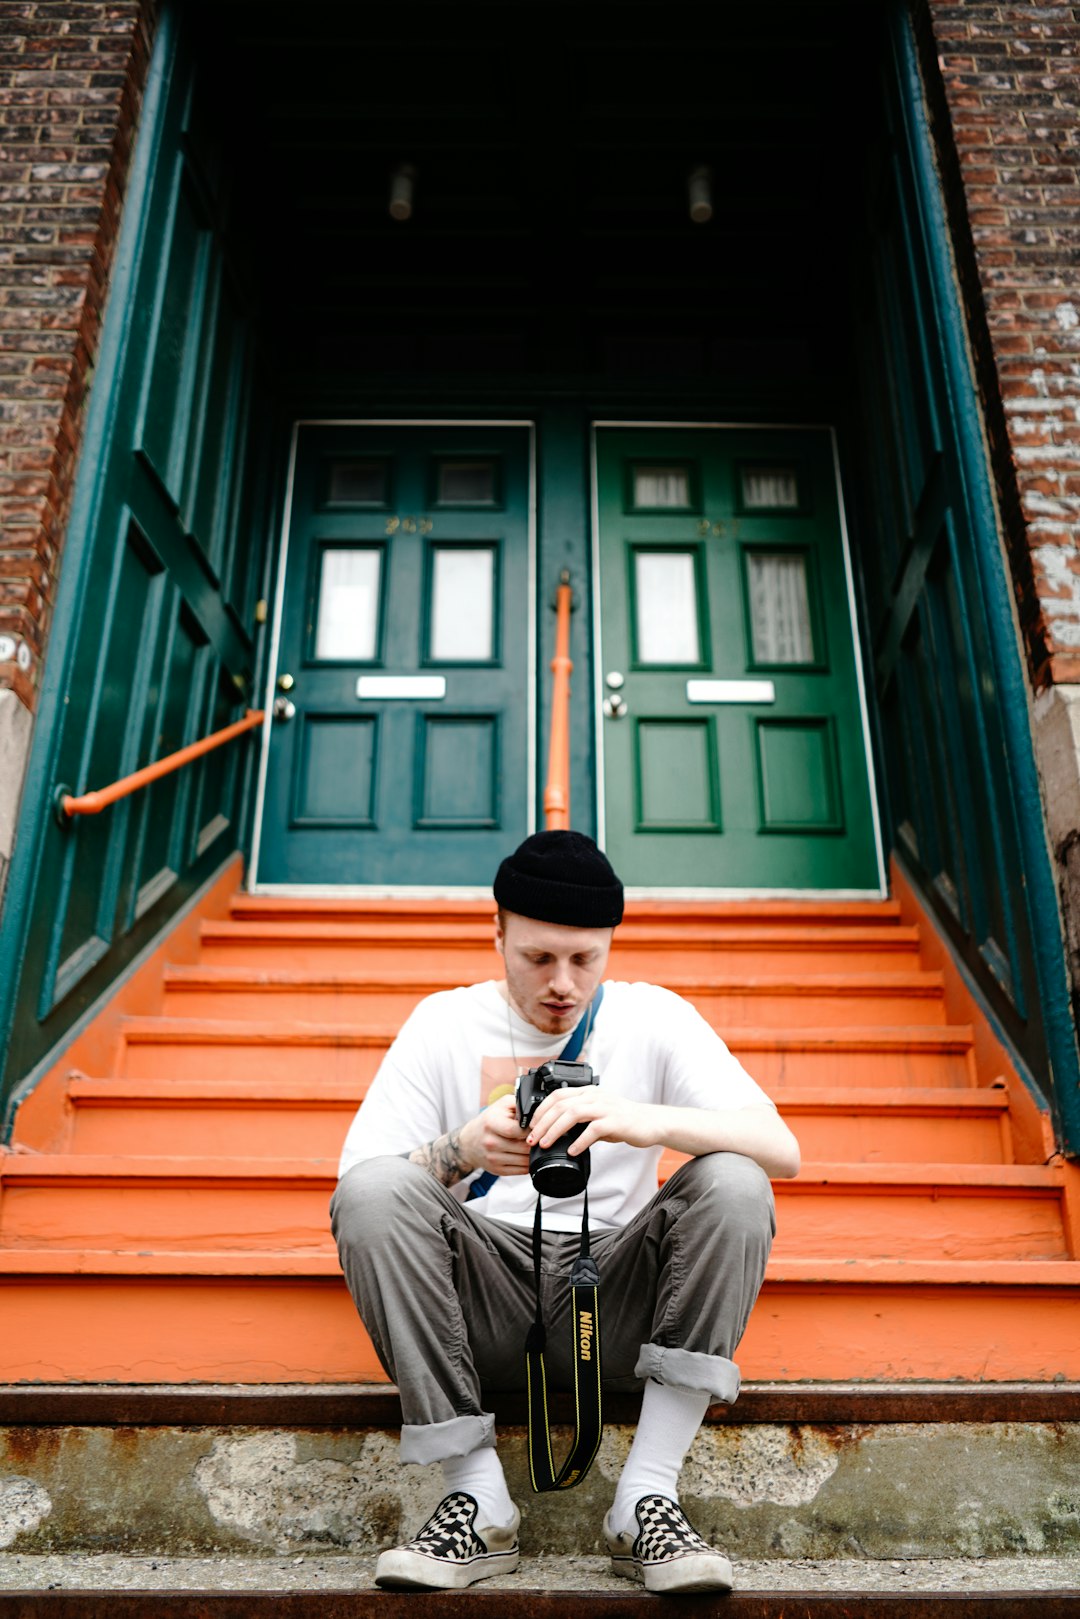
(557, 789)
(94, 803)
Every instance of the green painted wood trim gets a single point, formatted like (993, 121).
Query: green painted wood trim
(1041, 889)
(36, 807)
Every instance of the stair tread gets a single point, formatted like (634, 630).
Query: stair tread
(546, 1581)
(340, 1093)
(41, 1166)
(631, 931)
(753, 1037)
(320, 1262)
(428, 980)
(883, 911)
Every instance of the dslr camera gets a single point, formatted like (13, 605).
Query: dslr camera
(554, 1173)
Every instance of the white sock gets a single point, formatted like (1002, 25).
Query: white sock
(669, 1419)
(480, 1475)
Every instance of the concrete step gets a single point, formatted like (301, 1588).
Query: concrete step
(310, 1117)
(325, 1586)
(806, 1477)
(199, 1048)
(391, 993)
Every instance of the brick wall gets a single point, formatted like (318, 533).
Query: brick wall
(71, 78)
(1005, 96)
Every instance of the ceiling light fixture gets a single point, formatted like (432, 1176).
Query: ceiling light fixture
(402, 189)
(699, 190)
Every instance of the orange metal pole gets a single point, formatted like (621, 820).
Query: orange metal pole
(94, 803)
(557, 790)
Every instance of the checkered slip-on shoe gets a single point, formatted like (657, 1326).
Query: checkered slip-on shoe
(451, 1551)
(668, 1553)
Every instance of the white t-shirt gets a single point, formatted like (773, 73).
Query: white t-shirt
(460, 1049)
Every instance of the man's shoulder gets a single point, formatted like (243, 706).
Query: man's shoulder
(635, 994)
(462, 1000)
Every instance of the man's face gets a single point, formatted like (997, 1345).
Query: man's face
(551, 971)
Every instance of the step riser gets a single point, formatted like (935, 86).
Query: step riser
(627, 961)
(773, 1009)
(307, 1132)
(164, 1331)
(813, 1222)
(159, 1490)
(197, 1059)
(202, 1059)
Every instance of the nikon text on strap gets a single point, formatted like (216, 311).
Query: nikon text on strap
(585, 1325)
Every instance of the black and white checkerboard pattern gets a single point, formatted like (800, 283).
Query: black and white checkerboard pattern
(448, 1533)
(666, 1532)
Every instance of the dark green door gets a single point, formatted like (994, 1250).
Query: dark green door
(733, 735)
(403, 653)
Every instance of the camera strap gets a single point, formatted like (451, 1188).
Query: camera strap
(585, 1325)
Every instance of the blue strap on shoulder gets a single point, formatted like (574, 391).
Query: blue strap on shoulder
(482, 1185)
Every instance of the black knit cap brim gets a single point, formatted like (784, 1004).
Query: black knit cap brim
(560, 877)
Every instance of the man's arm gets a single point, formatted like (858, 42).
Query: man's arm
(442, 1158)
(493, 1140)
(758, 1132)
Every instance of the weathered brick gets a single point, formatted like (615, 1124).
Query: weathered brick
(71, 78)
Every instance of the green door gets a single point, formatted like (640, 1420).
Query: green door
(733, 736)
(399, 750)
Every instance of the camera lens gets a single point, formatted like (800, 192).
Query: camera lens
(554, 1173)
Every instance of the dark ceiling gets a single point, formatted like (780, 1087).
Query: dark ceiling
(552, 145)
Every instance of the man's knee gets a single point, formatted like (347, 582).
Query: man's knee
(370, 1196)
(729, 1188)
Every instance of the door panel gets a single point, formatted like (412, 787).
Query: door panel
(734, 753)
(405, 631)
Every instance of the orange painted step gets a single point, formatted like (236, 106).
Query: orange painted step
(288, 1318)
(309, 1118)
(178, 1048)
(864, 998)
(193, 1048)
(898, 1211)
(660, 948)
(394, 909)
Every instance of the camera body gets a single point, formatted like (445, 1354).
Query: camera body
(554, 1173)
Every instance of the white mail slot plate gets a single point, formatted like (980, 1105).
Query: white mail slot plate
(730, 691)
(381, 686)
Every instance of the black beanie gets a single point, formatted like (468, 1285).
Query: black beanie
(560, 877)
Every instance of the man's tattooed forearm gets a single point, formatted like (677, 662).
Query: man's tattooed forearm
(442, 1158)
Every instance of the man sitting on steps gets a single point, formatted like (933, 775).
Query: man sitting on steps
(444, 1280)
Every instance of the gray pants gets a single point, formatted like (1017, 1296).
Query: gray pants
(447, 1296)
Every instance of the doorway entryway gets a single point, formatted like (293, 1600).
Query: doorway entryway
(734, 737)
(398, 740)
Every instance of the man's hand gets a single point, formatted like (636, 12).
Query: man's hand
(606, 1117)
(492, 1140)
(757, 1132)
(495, 1141)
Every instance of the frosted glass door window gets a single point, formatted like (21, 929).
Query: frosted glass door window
(664, 488)
(666, 610)
(348, 621)
(780, 623)
(772, 489)
(463, 604)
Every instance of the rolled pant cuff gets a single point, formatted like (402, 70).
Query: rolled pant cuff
(686, 1369)
(434, 1441)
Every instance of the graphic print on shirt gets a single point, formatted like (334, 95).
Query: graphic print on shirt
(499, 1075)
